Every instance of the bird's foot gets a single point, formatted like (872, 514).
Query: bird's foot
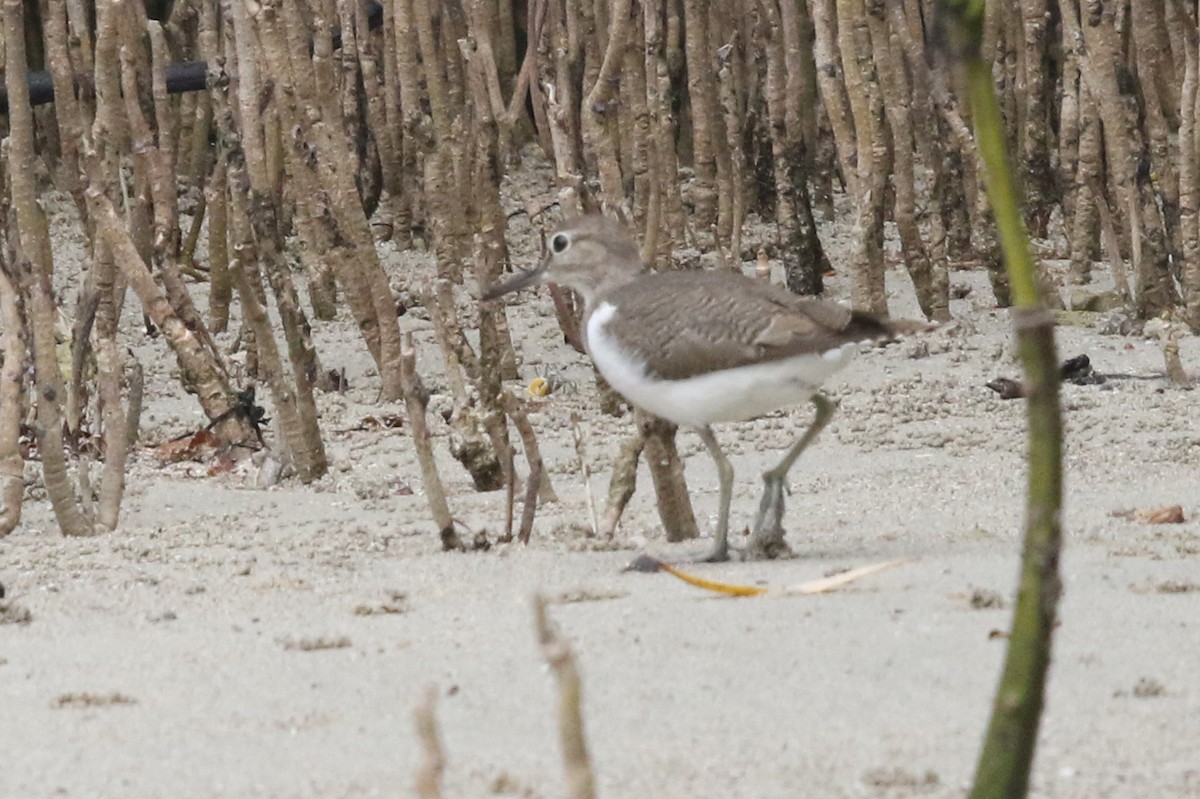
(772, 547)
(767, 535)
(769, 520)
(718, 554)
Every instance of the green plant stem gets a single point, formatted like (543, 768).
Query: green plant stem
(1002, 193)
(1007, 755)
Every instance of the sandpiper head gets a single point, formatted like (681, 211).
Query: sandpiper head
(591, 254)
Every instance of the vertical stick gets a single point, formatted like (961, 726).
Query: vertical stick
(561, 660)
(433, 759)
(12, 347)
(1007, 755)
(585, 471)
(416, 399)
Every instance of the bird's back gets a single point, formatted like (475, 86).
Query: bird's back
(702, 321)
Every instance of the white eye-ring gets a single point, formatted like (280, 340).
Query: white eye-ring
(559, 243)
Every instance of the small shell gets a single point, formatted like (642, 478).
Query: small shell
(762, 266)
(539, 387)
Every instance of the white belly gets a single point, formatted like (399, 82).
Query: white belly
(731, 395)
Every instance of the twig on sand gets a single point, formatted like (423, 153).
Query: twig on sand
(558, 655)
(622, 483)
(433, 762)
(515, 409)
(584, 470)
(416, 400)
(529, 509)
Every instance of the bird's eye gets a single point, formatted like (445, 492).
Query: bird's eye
(559, 243)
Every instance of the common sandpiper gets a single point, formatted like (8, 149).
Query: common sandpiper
(702, 347)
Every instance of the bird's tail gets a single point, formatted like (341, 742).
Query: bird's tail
(873, 327)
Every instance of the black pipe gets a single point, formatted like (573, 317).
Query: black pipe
(186, 76)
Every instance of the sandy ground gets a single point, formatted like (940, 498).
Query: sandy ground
(234, 642)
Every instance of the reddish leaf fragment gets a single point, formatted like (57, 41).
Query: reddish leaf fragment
(223, 462)
(193, 447)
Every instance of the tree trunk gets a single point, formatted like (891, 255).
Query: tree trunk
(701, 84)
(1035, 134)
(832, 86)
(897, 95)
(35, 276)
(1127, 151)
(867, 290)
(12, 385)
(666, 471)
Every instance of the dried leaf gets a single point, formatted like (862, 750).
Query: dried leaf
(646, 563)
(1172, 514)
(845, 578)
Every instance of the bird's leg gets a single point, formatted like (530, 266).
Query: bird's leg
(766, 538)
(720, 550)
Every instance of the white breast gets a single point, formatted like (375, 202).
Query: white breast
(730, 395)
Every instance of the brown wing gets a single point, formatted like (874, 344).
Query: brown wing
(694, 322)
